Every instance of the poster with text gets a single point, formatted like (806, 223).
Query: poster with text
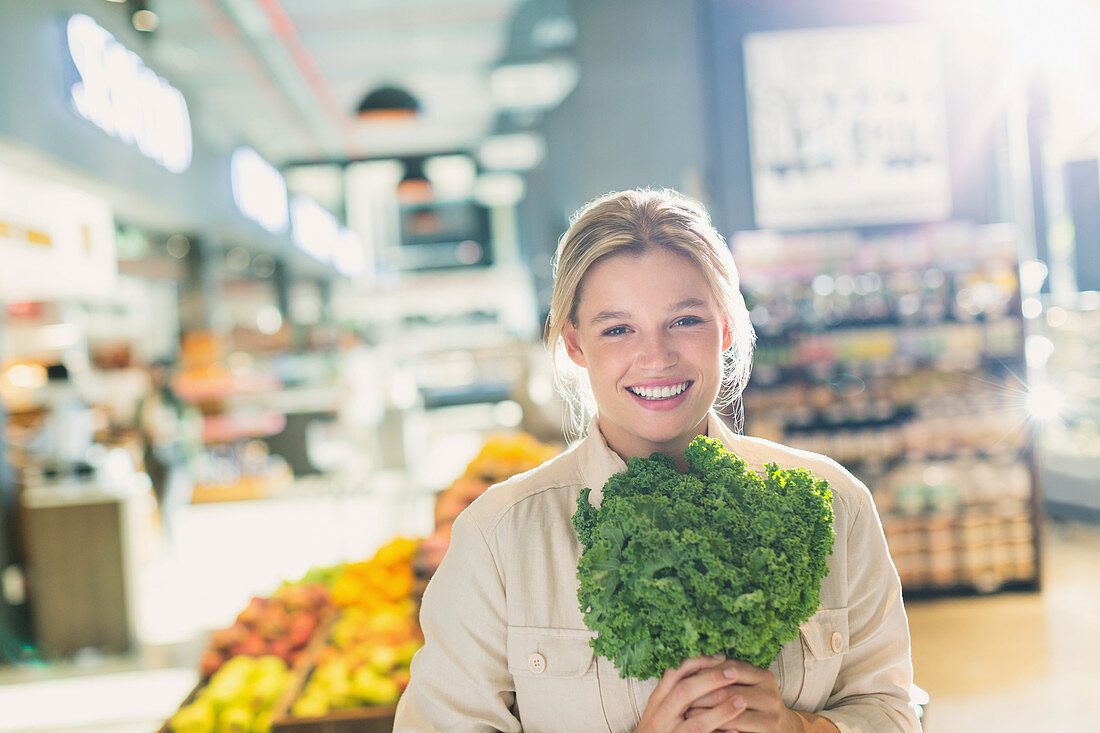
(847, 127)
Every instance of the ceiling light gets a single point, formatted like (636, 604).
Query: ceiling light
(388, 104)
(178, 246)
(145, 21)
(451, 176)
(499, 189)
(535, 86)
(520, 151)
(415, 187)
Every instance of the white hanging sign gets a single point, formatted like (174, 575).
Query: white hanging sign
(123, 97)
(847, 126)
(55, 242)
(259, 190)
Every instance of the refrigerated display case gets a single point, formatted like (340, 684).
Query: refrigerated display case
(900, 354)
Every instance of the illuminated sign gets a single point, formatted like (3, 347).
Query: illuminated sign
(55, 241)
(259, 190)
(124, 98)
(349, 258)
(315, 229)
(318, 233)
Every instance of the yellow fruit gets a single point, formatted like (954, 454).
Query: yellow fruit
(406, 651)
(263, 693)
(399, 550)
(347, 590)
(262, 722)
(375, 689)
(197, 717)
(235, 719)
(309, 706)
(382, 659)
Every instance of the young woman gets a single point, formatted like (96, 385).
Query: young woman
(646, 306)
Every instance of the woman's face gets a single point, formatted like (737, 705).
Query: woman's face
(651, 336)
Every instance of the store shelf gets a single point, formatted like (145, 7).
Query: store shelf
(901, 357)
(230, 427)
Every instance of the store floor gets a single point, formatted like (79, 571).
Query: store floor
(1007, 662)
(1017, 661)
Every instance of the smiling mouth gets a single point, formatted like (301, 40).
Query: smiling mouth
(660, 393)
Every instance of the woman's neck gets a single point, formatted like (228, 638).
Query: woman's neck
(631, 446)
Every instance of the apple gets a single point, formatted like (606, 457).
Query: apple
(227, 637)
(280, 648)
(210, 662)
(300, 629)
(252, 645)
(251, 614)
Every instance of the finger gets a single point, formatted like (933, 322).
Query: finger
(686, 692)
(748, 674)
(751, 721)
(719, 717)
(715, 698)
(687, 668)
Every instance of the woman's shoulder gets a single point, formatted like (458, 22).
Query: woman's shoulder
(758, 452)
(556, 481)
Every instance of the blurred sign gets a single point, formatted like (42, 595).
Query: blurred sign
(259, 190)
(847, 126)
(55, 242)
(318, 233)
(125, 99)
(315, 229)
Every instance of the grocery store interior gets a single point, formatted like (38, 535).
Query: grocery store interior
(274, 276)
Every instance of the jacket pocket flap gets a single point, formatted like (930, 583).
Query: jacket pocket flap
(826, 632)
(549, 652)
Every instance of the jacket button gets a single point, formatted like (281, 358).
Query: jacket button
(536, 663)
(836, 642)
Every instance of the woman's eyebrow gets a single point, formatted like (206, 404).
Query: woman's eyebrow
(609, 316)
(623, 315)
(689, 303)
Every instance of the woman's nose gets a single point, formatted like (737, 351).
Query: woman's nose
(657, 352)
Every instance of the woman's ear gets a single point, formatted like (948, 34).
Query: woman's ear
(727, 335)
(573, 344)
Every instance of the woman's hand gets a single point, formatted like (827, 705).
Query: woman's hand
(762, 708)
(683, 688)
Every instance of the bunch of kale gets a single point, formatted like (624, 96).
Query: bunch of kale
(715, 560)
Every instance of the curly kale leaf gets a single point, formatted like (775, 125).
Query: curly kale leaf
(716, 560)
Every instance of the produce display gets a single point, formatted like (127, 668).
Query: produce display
(365, 662)
(337, 643)
(715, 560)
(500, 458)
(366, 658)
(280, 626)
(239, 698)
(384, 579)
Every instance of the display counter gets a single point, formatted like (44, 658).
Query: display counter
(81, 569)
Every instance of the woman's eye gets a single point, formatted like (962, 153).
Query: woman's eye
(689, 321)
(615, 331)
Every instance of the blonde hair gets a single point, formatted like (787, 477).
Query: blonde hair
(635, 222)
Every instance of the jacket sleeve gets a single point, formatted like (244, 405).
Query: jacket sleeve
(872, 690)
(460, 679)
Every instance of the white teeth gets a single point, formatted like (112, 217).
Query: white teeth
(659, 393)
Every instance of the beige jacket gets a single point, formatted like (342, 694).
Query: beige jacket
(506, 648)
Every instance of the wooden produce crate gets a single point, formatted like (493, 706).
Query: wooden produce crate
(298, 672)
(354, 720)
(350, 720)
